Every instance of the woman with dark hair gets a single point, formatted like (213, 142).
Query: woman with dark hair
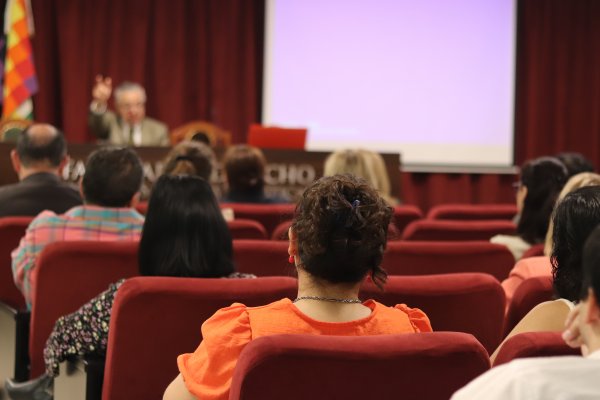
(190, 158)
(574, 219)
(245, 169)
(337, 240)
(184, 235)
(541, 181)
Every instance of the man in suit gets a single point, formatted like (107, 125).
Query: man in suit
(38, 160)
(129, 126)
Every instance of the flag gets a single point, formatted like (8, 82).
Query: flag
(20, 82)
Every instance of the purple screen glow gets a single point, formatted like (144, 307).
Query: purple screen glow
(430, 79)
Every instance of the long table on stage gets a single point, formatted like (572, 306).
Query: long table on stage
(287, 173)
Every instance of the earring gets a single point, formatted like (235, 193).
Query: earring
(291, 259)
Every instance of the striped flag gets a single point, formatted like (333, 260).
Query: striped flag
(20, 82)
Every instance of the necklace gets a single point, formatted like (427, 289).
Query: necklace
(333, 300)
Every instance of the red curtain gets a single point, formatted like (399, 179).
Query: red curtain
(197, 59)
(558, 78)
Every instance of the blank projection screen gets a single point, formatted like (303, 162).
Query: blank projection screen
(430, 79)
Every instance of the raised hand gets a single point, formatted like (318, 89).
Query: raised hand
(102, 89)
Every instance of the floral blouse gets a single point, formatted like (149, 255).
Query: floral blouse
(85, 331)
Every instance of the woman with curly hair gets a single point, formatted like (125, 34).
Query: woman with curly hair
(337, 239)
(574, 219)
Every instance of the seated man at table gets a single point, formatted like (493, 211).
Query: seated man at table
(129, 126)
(565, 377)
(110, 189)
(38, 160)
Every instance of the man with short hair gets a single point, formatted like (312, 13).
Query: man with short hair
(110, 189)
(129, 126)
(38, 160)
(565, 377)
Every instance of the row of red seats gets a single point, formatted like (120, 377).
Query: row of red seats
(443, 297)
(272, 216)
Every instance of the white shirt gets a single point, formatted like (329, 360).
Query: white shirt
(543, 378)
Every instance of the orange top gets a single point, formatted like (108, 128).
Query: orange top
(208, 371)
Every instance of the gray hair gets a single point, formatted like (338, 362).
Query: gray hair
(128, 87)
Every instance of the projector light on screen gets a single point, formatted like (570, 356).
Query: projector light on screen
(431, 79)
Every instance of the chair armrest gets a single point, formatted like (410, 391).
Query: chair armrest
(14, 343)
(80, 378)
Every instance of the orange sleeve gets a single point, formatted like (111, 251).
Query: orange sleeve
(417, 318)
(208, 371)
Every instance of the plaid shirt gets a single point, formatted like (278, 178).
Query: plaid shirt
(79, 223)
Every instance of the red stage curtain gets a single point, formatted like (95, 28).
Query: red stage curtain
(198, 59)
(558, 78)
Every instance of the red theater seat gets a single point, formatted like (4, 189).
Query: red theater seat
(269, 215)
(534, 344)
(281, 231)
(246, 229)
(425, 258)
(457, 230)
(405, 214)
(410, 366)
(536, 250)
(67, 275)
(473, 211)
(155, 319)
(12, 229)
(470, 303)
(530, 293)
(262, 257)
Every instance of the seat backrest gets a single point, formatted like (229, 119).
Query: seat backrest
(530, 293)
(473, 211)
(262, 257)
(425, 258)
(66, 276)
(535, 250)
(217, 136)
(12, 229)
(534, 344)
(332, 367)
(269, 215)
(470, 303)
(404, 214)
(271, 137)
(155, 319)
(246, 229)
(457, 230)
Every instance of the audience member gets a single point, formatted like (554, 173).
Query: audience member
(365, 164)
(576, 163)
(38, 160)
(199, 245)
(109, 187)
(565, 377)
(337, 239)
(574, 219)
(245, 170)
(190, 158)
(541, 181)
(129, 126)
(541, 266)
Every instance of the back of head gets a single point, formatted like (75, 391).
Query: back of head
(591, 265)
(190, 158)
(341, 228)
(184, 232)
(544, 178)
(41, 145)
(354, 162)
(245, 168)
(575, 163)
(574, 219)
(112, 177)
(127, 86)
